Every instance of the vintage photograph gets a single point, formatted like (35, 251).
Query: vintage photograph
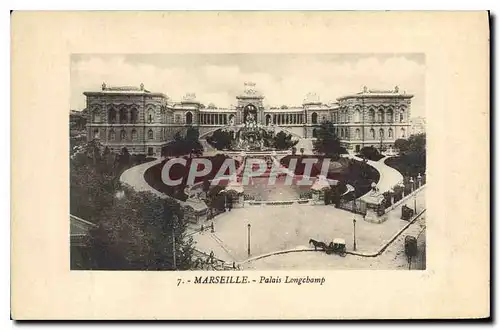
(259, 162)
(247, 162)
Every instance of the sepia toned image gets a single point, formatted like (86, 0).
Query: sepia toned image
(307, 169)
(324, 161)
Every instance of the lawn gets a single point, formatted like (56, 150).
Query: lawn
(409, 164)
(178, 171)
(348, 171)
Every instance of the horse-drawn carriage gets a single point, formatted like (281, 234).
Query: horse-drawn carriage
(337, 246)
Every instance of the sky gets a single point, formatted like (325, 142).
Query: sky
(283, 79)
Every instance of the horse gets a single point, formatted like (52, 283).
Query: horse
(317, 244)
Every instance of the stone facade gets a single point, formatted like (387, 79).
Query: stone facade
(417, 125)
(143, 121)
(372, 118)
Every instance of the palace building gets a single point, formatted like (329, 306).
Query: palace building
(372, 118)
(143, 121)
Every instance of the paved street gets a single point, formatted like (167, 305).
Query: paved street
(277, 228)
(392, 258)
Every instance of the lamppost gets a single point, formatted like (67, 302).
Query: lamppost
(174, 257)
(415, 203)
(412, 184)
(249, 226)
(381, 137)
(354, 232)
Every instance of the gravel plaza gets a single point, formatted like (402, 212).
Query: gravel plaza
(278, 228)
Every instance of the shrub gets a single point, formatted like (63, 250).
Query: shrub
(370, 153)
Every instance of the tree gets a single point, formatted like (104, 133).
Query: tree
(327, 141)
(402, 145)
(189, 144)
(294, 150)
(93, 181)
(139, 233)
(302, 151)
(283, 141)
(123, 159)
(417, 143)
(370, 153)
(192, 143)
(413, 160)
(220, 139)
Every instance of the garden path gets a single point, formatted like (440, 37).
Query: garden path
(389, 176)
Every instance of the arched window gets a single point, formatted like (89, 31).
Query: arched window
(315, 133)
(134, 116)
(401, 116)
(371, 115)
(134, 135)
(112, 135)
(342, 133)
(389, 132)
(381, 133)
(357, 116)
(390, 116)
(96, 116)
(380, 114)
(150, 135)
(314, 118)
(112, 116)
(123, 135)
(189, 118)
(323, 119)
(150, 117)
(96, 133)
(403, 133)
(268, 119)
(358, 133)
(346, 133)
(372, 134)
(123, 116)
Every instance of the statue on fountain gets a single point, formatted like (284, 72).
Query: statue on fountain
(250, 122)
